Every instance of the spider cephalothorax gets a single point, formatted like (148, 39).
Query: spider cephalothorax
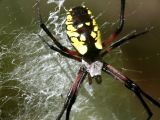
(84, 35)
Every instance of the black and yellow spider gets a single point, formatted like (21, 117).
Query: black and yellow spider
(84, 35)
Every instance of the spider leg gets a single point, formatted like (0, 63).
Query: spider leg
(44, 27)
(60, 51)
(71, 97)
(114, 35)
(124, 40)
(89, 79)
(72, 101)
(131, 86)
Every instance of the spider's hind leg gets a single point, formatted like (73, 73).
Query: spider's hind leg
(140, 94)
(131, 86)
(72, 94)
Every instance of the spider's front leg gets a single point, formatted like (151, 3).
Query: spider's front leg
(131, 86)
(71, 97)
(60, 51)
(124, 40)
(114, 35)
(44, 27)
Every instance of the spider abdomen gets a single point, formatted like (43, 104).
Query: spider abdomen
(82, 30)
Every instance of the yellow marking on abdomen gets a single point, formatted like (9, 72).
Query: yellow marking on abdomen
(69, 17)
(95, 28)
(83, 37)
(94, 22)
(79, 45)
(68, 23)
(88, 23)
(71, 28)
(98, 43)
(89, 12)
(73, 34)
(93, 34)
(80, 25)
